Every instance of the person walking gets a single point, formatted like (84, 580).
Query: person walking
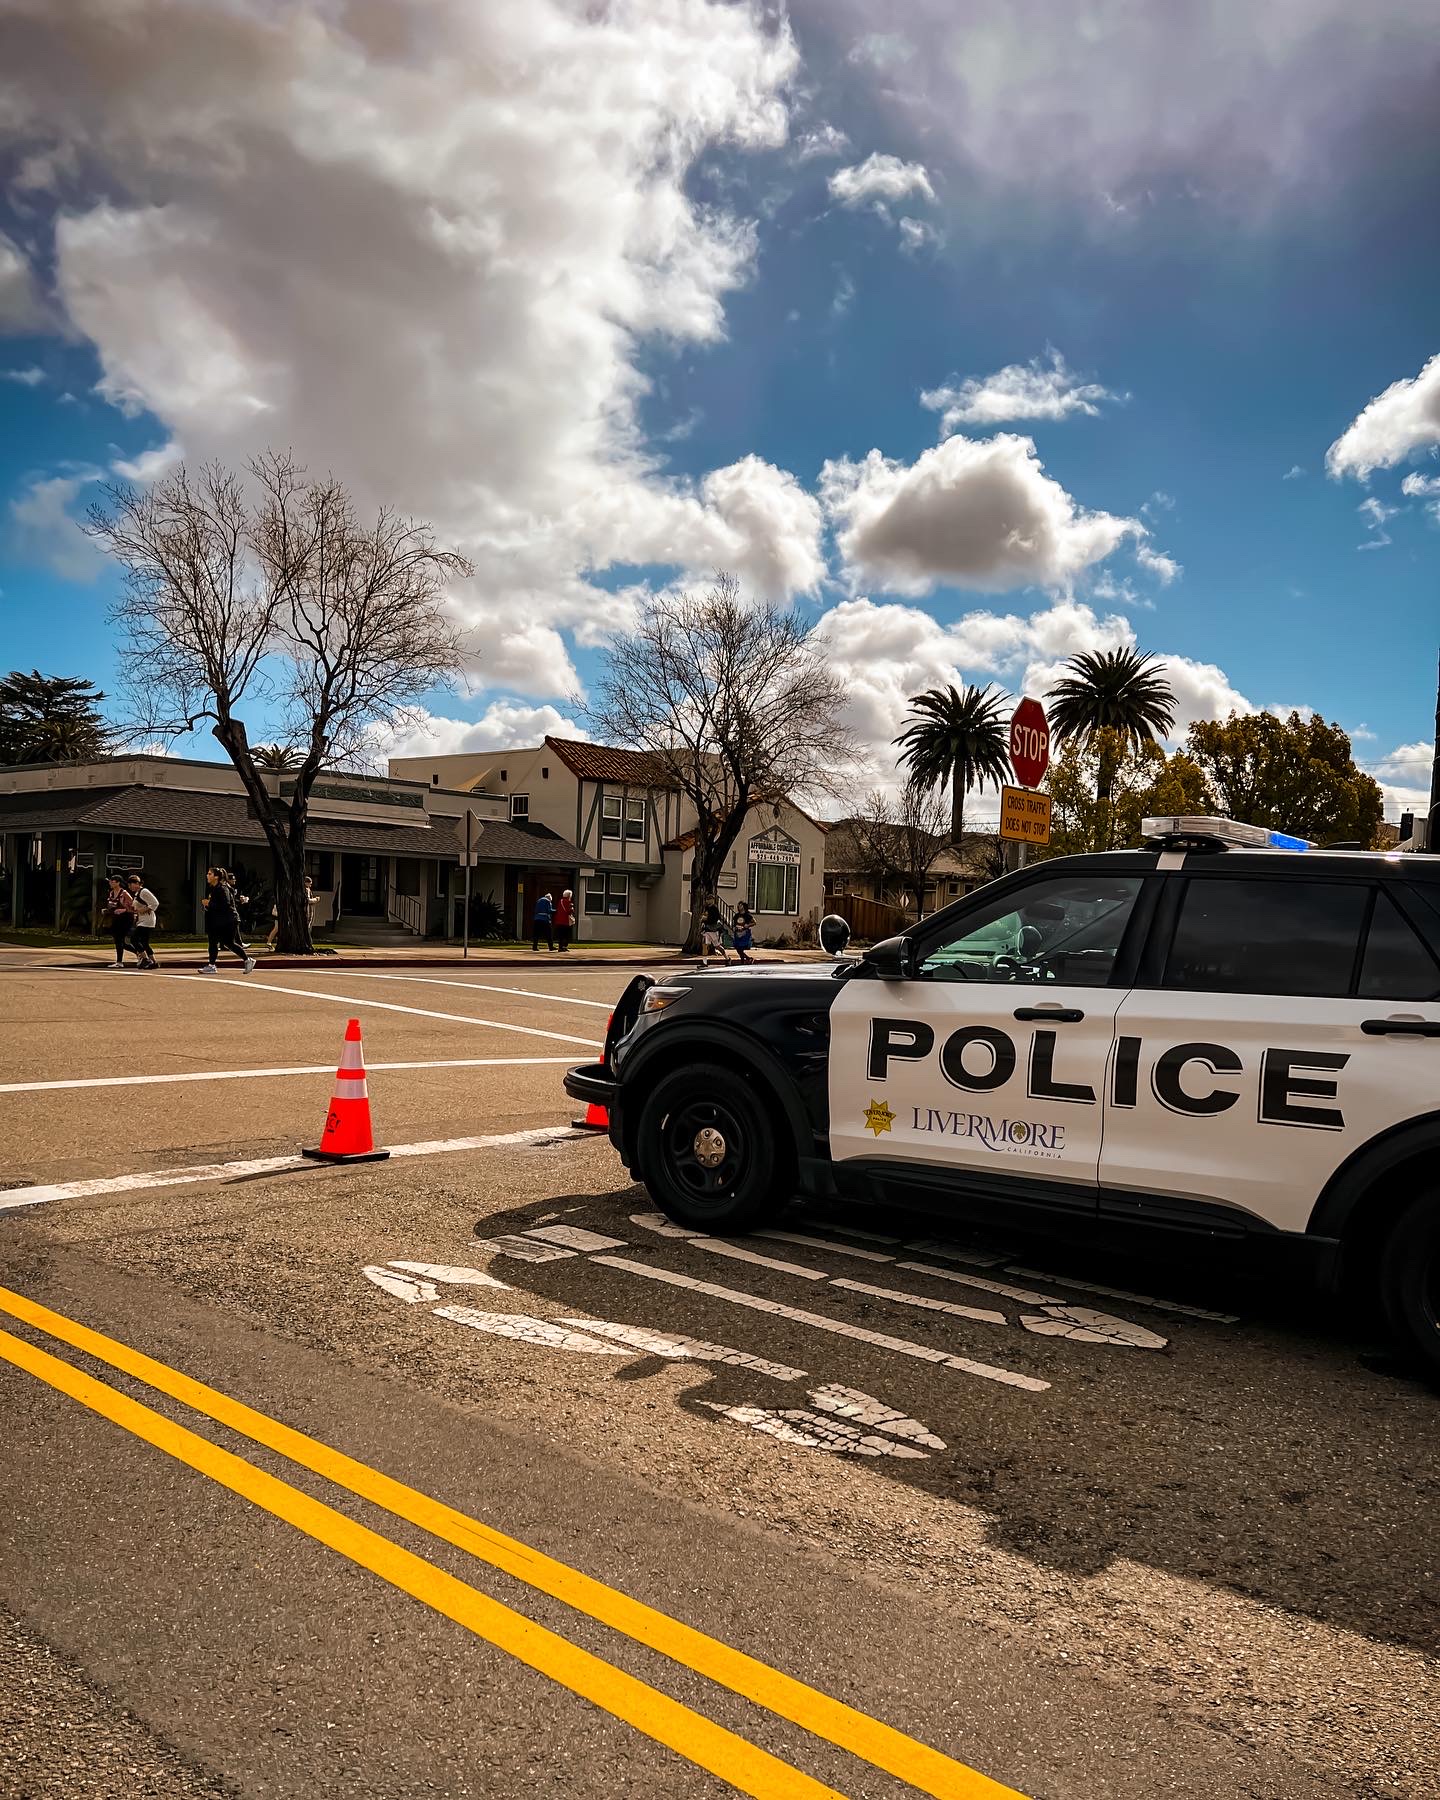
(222, 922)
(309, 914)
(565, 918)
(742, 932)
(544, 922)
(119, 913)
(712, 933)
(147, 917)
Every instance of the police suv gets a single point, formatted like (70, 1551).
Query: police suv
(1215, 1036)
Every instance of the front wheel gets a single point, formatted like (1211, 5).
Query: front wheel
(1410, 1281)
(707, 1150)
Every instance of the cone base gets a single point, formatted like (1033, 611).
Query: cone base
(343, 1156)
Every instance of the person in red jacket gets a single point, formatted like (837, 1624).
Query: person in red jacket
(565, 918)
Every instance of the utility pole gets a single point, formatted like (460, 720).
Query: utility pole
(1432, 826)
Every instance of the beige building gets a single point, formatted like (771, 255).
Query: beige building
(632, 827)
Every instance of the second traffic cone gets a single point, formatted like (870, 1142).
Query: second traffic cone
(347, 1136)
(596, 1119)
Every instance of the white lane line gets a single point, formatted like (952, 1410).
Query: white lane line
(944, 1306)
(525, 1249)
(452, 1276)
(982, 1259)
(1026, 1296)
(869, 1237)
(661, 1226)
(817, 1322)
(660, 1343)
(1082, 1325)
(262, 1165)
(108, 1081)
(819, 1243)
(572, 1237)
(811, 1431)
(1114, 1293)
(249, 985)
(401, 1287)
(526, 1330)
(484, 987)
(723, 1247)
(865, 1409)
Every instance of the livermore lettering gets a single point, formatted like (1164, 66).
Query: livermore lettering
(991, 1134)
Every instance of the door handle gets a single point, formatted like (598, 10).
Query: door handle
(1400, 1028)
(1051, 1015)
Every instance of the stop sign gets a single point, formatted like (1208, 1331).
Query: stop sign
(1029, 743)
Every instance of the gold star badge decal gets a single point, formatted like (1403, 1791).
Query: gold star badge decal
(878, 1116)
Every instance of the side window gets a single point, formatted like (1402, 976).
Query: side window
(1063, 930)
(1287, 936)
(1397, 965)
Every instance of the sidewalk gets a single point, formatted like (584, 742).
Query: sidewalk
(424, 956)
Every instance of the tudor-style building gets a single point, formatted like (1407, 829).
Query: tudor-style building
(633, 828)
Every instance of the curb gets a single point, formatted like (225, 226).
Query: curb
(321, 964)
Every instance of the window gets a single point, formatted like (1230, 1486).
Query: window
(1067, 930)
(1288, 936)
(620, 817)
(434, 781)
(774, 884)
(520, 807)
(608, 894)
(503, 775)
(545, 771)
(1397, 965)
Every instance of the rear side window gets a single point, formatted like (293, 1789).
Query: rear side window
(1288, 936)
(1397, 965)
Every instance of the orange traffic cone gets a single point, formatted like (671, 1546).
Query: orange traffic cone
(596, 1119)
(347, 1136)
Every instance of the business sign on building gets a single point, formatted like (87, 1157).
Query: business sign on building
(774, 846)
(119, 860)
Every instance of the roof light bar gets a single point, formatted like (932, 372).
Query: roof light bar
(1221, 834)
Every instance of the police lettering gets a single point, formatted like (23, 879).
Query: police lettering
(1184, 1078)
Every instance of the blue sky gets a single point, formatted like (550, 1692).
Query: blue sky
(608, 355)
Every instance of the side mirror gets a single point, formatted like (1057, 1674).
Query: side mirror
(834, 934)
(893, 959)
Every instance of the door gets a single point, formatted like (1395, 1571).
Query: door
(362, 885)
(1295, 1018)
(990, 1062)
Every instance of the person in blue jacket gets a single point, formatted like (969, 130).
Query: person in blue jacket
(544, 922)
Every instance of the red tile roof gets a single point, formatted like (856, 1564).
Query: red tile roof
(598, 762)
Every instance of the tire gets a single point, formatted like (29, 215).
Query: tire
(746, 1187)
(1410, 1282)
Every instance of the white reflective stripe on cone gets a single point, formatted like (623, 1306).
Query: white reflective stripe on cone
(356, 1088)
(352, 1056)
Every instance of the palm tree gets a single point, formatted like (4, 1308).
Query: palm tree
(959, 737)
(275, 759)
(1115, 699)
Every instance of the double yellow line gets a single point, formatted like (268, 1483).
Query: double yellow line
(690, 1734)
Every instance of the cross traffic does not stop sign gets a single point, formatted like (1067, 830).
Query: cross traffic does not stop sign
(1029, 743)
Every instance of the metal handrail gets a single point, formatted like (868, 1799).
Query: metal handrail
(406, 911)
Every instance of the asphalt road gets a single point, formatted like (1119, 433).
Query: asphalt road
(1083, 1543)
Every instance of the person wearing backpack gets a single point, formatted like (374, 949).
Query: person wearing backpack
(119, 914)
(147, 917)
(222, 922)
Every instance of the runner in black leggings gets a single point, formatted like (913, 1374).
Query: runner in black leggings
(222, 922)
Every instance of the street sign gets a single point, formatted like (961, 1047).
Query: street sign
(1029, 743)
(1024, 816)
(471, 827)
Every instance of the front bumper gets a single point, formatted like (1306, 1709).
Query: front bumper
(594, 1084)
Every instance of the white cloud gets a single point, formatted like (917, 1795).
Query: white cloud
(30, 377)
(885, 652)
(881, 179)
(431, 249)
(41, 528)
(824, 140)
(844, 297)
(881, 50)
(915, 234)
(1121, 103)
(21, 307)
(504, 725)
(1404, 774)
(149, 465)
(1293, 473)
(979, 513)
(1426, 488)
(1375, 513)
(1033, 390)
(1403, 419)
(1155, 562)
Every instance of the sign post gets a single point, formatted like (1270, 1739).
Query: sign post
(474, 825)
(1030, 758)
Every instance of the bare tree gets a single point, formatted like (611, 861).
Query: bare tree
(286, 598)
(737, 708)
(900, 841)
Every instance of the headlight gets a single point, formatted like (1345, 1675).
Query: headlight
(658, 998)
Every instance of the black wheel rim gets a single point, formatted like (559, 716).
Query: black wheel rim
(689, 1138)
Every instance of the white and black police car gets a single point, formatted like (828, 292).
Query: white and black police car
(1214, 1036)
